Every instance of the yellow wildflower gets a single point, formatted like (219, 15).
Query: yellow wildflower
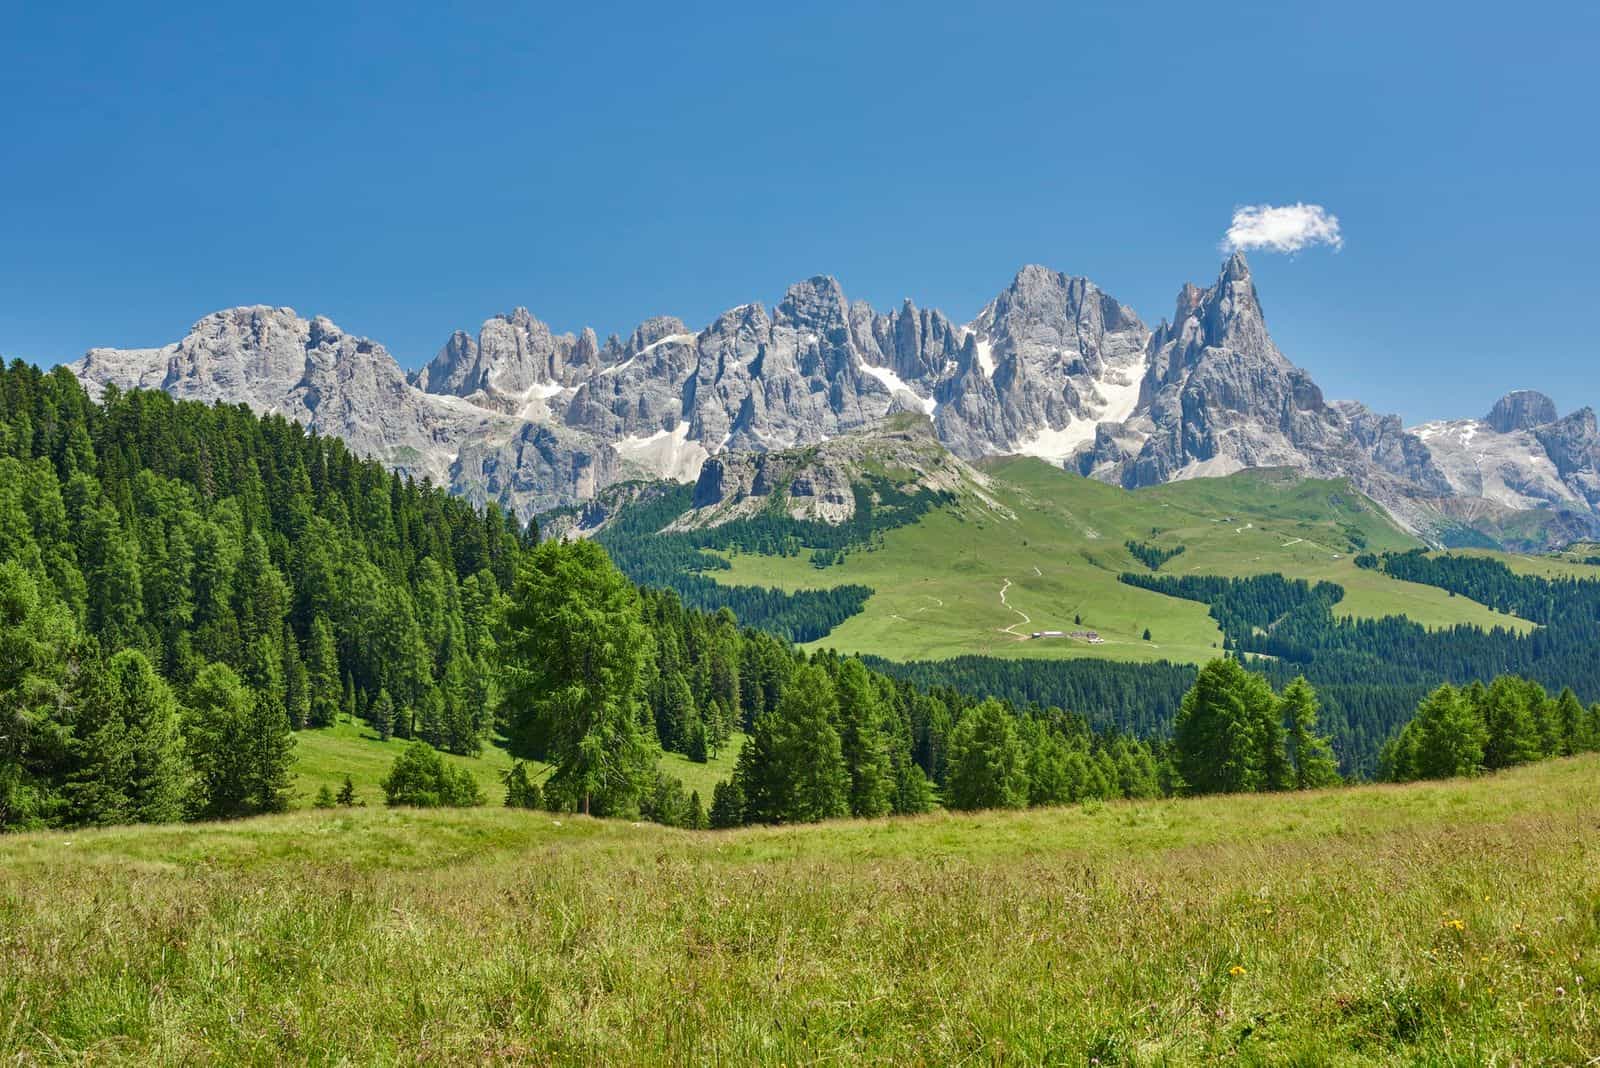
(1236, 971)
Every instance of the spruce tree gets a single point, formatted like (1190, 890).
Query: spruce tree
(1449, 736)
(1512, 734)
(347, 794)
(296, 682)
(240, 746)
(125, 749)
(696, 819)
(382, 715)
(727, 804)
(1217, 731)
(39, 654)
(521, 792)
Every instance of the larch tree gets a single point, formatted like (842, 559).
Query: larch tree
(986, 762)
(574, 664)
(1311, 753)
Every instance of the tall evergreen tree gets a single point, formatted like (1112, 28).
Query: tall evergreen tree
(862, 742)
(1218, 733)
(127, 762)
(1512, 735)
(792, 769)
(39, 653)
(240, 745)
(987, 765)
(323, 668)
(1310, 752)
(574, 666)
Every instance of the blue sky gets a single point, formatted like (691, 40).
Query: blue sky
(408, 170)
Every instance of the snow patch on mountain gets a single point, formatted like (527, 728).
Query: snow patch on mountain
(665, 454)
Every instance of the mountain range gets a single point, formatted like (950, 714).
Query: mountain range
(1053, 367)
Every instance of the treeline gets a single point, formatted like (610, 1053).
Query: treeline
(1511, 721)
(678, 561)
(596, 671)
(199, 535)
(1153, 556)
(1564, 602)
(1372, 672)
(89, 738)
(1243, 606)
(1137, 699)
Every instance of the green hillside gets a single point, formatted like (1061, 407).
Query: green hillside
(1059, 544)
(1451, 922)
(325, 756)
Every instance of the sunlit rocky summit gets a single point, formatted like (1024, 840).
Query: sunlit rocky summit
(1053, 367)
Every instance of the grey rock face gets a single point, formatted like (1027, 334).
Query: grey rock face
(1521, 409)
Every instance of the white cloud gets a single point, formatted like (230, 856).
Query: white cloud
(1282, 229)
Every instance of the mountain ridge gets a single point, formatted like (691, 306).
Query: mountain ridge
(1053, 367)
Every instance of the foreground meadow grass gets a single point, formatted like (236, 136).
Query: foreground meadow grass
(1441, 923)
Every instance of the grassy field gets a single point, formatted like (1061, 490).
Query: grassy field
(938, 582)
(323, 757)
(1444, 923)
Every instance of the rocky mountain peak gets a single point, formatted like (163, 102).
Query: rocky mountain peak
(1237, 268)
(653, 330)
(817, 302)
(1521, 409)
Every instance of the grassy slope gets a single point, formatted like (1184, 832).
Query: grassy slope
(1554, 566)
(1441, 923)
(938, 582)
(326, 756)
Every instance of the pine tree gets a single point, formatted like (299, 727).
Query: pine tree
(521, 792)
(324, 798)
(792, 769)
(696, 819)
(1512, 733)
(347, 794)
(1217, 733)
(240, 746)
(1449, 736)
(296, 683)
(1049, 780)
(39, 653)
(1569, 715)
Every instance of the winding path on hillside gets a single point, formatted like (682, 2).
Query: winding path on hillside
(1026, 619)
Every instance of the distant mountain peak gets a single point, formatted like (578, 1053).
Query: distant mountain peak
(1522, 409)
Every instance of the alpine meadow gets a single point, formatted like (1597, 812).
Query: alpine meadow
(475, 590)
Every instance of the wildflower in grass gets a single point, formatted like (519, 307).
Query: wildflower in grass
(1455, 923)
(1236, 971)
